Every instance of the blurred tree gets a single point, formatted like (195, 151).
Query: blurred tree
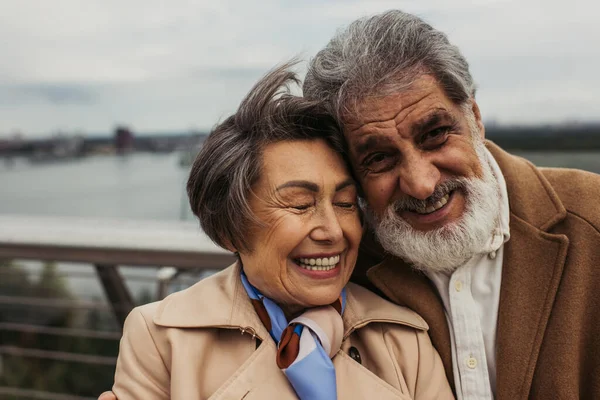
(47, 374)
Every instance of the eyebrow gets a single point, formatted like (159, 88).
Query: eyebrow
(313, 187)
(372, 142)
(345, 184)
(432, 120)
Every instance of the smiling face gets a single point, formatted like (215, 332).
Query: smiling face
(304, 251)
(422, 166)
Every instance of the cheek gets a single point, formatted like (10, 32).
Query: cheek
(353, 234)
(459, 158)
(353, 230)
(279, 232)
(379, 190)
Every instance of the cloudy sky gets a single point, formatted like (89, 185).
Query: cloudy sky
(175, 65)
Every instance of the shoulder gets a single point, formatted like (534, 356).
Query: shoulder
(365, 307)
(144, 313)
(578, 190)
(208, 302)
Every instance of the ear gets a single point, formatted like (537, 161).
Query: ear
(477, 114)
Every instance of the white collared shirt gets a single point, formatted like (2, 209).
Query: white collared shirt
(471, 295)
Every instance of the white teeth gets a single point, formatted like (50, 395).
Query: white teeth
(319, 264)
(439, 204)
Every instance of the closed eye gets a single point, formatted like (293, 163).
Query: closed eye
(302, 206)
(346, 205)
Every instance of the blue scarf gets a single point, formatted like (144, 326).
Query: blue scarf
(304, 351)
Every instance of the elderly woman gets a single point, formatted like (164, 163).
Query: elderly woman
(271, 185)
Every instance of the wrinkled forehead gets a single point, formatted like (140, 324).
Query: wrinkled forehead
(424, 97)
(386, 103)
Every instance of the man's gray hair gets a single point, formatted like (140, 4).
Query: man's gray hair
(230, 160)
(382, 55)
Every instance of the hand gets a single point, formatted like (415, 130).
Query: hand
(107, 396)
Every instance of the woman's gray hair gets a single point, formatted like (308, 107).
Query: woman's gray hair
(230, 160)
(382, 55)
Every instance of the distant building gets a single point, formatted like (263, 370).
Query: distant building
(123, 140)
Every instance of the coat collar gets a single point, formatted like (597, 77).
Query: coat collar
(532, 268)
(230, 307)
(531, 197)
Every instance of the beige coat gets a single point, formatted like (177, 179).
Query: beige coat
(207, 342)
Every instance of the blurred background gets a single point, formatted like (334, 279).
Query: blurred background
(104, 103)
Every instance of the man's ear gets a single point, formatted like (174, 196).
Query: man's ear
(478, 121)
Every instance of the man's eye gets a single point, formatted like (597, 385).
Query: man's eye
(436, 136)
(375, 159)
(378, 162)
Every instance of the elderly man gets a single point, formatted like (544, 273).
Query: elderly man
(501, 258)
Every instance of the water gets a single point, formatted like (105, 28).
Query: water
(139, 186)
(589, 161)
(142, 186)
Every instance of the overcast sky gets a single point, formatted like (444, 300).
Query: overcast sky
(176, 65)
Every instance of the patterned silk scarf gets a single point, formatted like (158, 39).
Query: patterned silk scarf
(306, 344)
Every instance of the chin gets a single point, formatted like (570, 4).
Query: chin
(444, 248)
(323, 299)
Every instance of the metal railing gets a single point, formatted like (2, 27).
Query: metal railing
(170, 247)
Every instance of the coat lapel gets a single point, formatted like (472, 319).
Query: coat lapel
(402, 285)
(356, 382)
(533, 264)
(526, 299)
(258, 378)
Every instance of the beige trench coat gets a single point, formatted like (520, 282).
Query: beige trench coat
(207, 342)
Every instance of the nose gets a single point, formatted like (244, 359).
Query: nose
(418, 176)
(328, 228)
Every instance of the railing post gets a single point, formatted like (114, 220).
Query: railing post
(164, 276)
(116, 291)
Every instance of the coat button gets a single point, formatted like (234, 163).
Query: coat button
(354, 354)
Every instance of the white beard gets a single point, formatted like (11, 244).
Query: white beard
(446, 248)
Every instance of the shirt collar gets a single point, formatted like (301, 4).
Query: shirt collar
(501, 233)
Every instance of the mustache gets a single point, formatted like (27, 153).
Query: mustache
(441, 190)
